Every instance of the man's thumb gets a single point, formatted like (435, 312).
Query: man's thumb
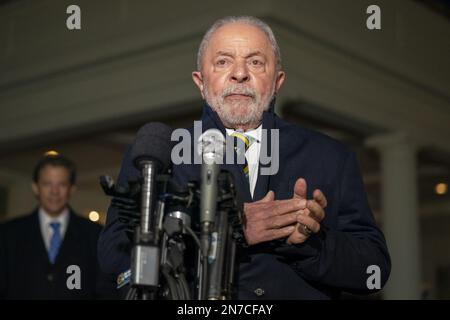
(300, 188)
(270, 196)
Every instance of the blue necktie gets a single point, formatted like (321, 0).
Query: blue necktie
(55, 242)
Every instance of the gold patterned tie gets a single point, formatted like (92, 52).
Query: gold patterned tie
(242, 147)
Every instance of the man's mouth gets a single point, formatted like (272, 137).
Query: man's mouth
(239, 96)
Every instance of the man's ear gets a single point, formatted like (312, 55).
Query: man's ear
(281, 76)
(73, 188)
(198, 80)
(35, 188)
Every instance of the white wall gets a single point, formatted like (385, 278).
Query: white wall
(135, 57)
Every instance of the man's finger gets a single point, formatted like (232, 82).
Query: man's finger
(311, 223)
(303, 230)
(282, 207)
(270, 196)
(296, 236)
(280, 221)
(264, 210)
(274, 234)
(258, 211)
(316, 211)
(320, 198)
(300, 188)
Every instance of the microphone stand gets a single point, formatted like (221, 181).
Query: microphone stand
(222, 255)
(158, 269)
(145, 256)
(167, 236)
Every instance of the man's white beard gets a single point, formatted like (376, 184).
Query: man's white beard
(240, 112)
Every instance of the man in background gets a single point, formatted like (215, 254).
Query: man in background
(52, 252)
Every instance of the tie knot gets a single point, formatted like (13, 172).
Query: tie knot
(245, 139)
(55, 226)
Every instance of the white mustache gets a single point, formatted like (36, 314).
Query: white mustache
(238, 90)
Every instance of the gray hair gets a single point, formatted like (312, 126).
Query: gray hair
(264, 27)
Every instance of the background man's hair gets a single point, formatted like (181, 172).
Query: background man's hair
(264, 27)
(55, 161)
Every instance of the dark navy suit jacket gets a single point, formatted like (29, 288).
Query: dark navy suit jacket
(334, 260)
(25, 270)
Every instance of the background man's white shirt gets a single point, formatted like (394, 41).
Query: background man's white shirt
(45, 219)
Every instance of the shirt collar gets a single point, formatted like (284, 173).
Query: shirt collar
(254, 133)
(46, 219)
(210, 119)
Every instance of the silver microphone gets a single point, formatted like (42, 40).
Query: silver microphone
(211, 146)
(212, 149)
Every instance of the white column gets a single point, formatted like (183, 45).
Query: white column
(400, 213)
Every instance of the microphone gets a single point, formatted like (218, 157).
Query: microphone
(151, 155)
(211, 146)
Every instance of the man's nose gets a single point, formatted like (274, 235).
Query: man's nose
(240, 73)
(54, 189)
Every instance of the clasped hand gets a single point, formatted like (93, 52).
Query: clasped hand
(295, 219)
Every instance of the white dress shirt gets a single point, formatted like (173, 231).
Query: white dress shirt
(252, 155)
(45, 219)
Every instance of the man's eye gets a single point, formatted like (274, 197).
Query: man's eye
(221, 62)
(256, 62)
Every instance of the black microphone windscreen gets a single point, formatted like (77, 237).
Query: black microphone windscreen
(153, 143)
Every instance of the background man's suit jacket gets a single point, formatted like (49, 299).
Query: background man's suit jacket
(25, 270)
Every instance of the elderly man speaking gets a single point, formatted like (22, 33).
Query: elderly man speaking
(309, 230)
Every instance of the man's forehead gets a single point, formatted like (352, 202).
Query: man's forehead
(233, 51)
(52, 170)
(234, 36)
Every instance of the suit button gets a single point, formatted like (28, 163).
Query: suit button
(259, 292)
(50, 277)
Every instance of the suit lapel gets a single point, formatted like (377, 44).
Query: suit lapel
(263, 181)
(37, 238)
(70, 240)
